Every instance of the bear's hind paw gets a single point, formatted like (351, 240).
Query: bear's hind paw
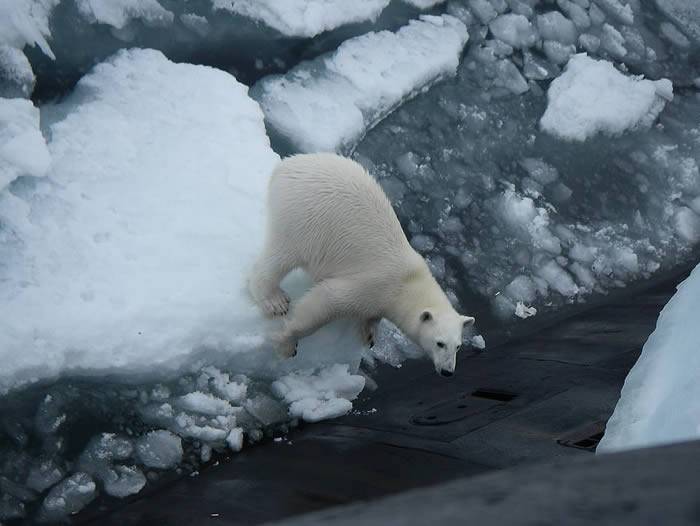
(287, 349)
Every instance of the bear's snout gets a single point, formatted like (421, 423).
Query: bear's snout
(446, 373)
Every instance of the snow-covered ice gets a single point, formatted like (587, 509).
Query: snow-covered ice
(307, 18)
(22, 23)
(118, 13)
(134, 248)
(660, 401)
(330, 103)
(23, 149)
(591, 97)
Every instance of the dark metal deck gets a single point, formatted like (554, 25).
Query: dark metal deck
(418, 429)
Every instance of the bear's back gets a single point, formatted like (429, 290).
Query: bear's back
(332, 209)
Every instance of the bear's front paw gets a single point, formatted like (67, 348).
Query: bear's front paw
(276, 304)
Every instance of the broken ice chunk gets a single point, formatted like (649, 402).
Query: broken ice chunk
(44, 474)
(67, 497)
(612, 41)
(687, 224)
(328, 104)
(514, 30)
(205, 404)
(159, 449)
(235, 439)
(306, 18)
(478, 342)
(617, 10)
(555, 26)
(122, 481)
(558, 278)
(321, 394)
(540, 170)
(524, 311)
(592, 97)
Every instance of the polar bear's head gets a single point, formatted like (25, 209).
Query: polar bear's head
(440, 336)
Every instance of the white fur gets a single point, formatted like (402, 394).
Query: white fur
(327, 216)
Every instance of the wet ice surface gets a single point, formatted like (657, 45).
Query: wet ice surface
(521, 215)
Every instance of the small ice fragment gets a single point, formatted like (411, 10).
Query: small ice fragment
(205, 404)
(514, 30)
(555, 26)
(523, 311)
(478, 342)
(122, 481)
(67, 497)
(159, 449)
(234, 440)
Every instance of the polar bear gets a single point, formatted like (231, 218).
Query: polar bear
(328, 216)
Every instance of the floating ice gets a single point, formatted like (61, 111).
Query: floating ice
(592, 97)
(44, 474)
(159, 449)
(67, 497)
(321, 394)
(205, 404)
(685, 14)
(307, 18)
(234, 439)
(514, 30)
(328, 104)
(524, 311)
(555, 26)
(424, 4)
(660, 401)
(478, 342)
(118, 13)
(23, 150)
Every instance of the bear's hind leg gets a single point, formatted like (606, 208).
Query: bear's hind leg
(264, 283)
(368, 329)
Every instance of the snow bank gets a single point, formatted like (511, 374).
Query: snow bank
(660, 401)
(328, 104)
(592, 97)
(23, 150)
(130, 257)
(304, 18)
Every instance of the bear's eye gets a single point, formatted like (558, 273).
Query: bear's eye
(441, 345)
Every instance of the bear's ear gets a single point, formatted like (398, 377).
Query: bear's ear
(467, 321)
(426, 316)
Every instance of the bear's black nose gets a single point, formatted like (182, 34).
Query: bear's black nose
(446, 373)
